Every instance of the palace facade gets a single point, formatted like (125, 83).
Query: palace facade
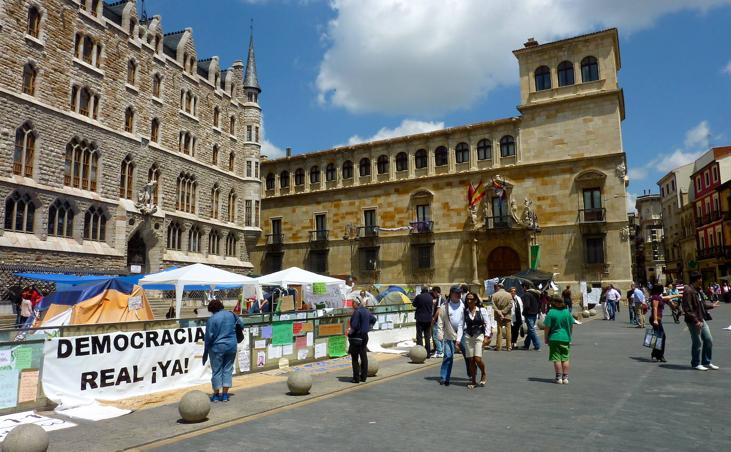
(396, 210)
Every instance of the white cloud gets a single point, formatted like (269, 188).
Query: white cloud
(727, 68)
(665, 162)
(631, 202)
(698, 136)
(407, 127)
(267, 147)
(414, 57)
(637, 173)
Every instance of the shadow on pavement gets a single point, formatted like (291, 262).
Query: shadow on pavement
(675, 367)
(542, 380)
(641, 359)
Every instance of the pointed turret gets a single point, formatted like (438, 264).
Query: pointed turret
(250, 79)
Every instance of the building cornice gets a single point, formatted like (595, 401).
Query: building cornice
(619, 92)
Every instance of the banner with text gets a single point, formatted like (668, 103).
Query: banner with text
(82, 369)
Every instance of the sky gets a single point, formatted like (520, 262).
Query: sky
(347, 71)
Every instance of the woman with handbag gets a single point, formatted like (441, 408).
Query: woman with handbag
(657, 303)
(220, 345)
(360, 324)
(475, 333)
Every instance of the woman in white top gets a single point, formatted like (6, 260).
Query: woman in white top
(475, 330)
(517, 317)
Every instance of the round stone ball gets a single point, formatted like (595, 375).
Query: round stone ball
(592, 312)
(26, 438)
(372, 366)
(576, 315)
(585, 314)
(194, 406)
(299, 383)
(540, 324)
(417, 353)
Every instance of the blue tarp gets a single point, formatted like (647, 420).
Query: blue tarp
(64, 279)
(80, 292)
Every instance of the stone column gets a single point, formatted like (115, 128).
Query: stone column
(473, 239)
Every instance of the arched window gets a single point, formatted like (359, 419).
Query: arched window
(402, 161)
(565, 73)
(382, 164)
(364, 167)
(216, 117)
(230, 245)
(156, 85)
(231, 206)
(214, 156)
(347, 169)
(215, 201)
(19, 213)
(129, 120)
(186, 143)
(194, 239)
(82, 98)
(187, 188)
(132, 72)
(231, 161)
(284, 179)
(87, 53)
(441, 156)
(60, 219)
(153, 175)
(232, 125)
(270, 181)
(155, 130)
(25, 149)
(543, 78)
(214, 242)
(589, 69)
(95, 10)
(462, 153)
(484, 150)
(174, 236)
(420, 159)
(95, 224)
(315, 174)
(330, 172)
(29, 79)
(507, 146)
(126, 178)
(81, 166)
(34, 22)
(299, 176)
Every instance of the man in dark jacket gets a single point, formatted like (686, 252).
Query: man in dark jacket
(695, 310)
(424, 304)
(360, 324)
(531, 308)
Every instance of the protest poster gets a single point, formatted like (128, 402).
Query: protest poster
(282, 333)
(336, 346)
(261, 359)
(119, 365)
(28, 386)
(8, 388)
(10, 421)
(320, 350)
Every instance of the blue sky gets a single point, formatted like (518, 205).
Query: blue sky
(351, 70)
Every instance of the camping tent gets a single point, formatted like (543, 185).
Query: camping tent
(535, 277)
(113, 300)
(195, 275)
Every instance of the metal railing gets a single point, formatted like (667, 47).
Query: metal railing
(422, 227)
(368, 231)
(275, 239)
(593, 215)
(321, 235)
(499, 222)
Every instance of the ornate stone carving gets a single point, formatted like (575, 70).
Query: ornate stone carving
(624, 233)
(621, 170)
(144, 199)
(528, 218)
(473, 216)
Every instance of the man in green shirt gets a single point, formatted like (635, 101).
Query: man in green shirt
(557, 335)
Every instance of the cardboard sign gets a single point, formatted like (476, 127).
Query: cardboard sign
(333, 329)
(286, 304)
(282, 333)
(28, 388)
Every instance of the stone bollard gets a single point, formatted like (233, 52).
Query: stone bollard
(576, 315)
(26, 438)
(372, 366)
(417, 353)
(592, 312)
(585, 314)
(194, 406)
(299, 383)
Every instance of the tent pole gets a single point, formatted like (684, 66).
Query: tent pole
(179, 287)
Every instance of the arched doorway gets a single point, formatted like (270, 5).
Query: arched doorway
(502, 261)
(137, 254)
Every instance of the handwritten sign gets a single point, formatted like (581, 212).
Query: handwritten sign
(282, 333)
(28, 389)
(336, 346)
(332, 329)
(319, 288)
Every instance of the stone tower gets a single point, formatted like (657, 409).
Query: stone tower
(252, 141)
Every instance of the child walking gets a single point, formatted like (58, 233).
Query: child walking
(557, 335)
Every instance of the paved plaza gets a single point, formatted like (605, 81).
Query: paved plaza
(617, 400)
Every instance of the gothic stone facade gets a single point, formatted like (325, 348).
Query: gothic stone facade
(561, 161)
(119, 148)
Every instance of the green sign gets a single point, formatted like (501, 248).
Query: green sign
(319, 288)
(535, 256)
(282, 333)
(336, 346)
(23, 357)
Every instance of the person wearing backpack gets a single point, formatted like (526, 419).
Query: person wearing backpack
(220, 346)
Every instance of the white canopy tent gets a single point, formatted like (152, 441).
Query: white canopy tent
(195, 275)
(295, 275)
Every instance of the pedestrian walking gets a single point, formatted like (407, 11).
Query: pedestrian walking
(438, 302)
(360, 323)
(220, 347)
(516, 319)
(640, 306)
(531, 307)
(475, 332)
(612, 301)
(503, 305)
(558, 325)
(630, 304)
(566, 295)
(657, 303)
(450, 325)
(696, 309)
(26, 310)
(424, 305)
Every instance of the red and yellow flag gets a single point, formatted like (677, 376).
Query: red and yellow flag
(475, 194)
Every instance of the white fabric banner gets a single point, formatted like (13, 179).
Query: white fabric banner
(79, 370)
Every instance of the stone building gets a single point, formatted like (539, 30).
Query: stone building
(122, 149)
(673, 196)
(396, 211)
(649, 243)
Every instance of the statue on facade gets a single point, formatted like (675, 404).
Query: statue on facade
(624, 233)
(473, 216)
(145, 198)
(528, 218)
(621, 170)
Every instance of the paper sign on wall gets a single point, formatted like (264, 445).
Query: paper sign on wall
(319, 288)
(336, 346)
(8, 388)
(300, 342)
(282, 333)
(297, 328)
(266, 332)
(274, 352)
(320, 350)
(333, 329)
(6, 358)
(28, 388)
(302, 354)
(310, 339)
(260, 343)
(261, 359)
(287, 349)
(23, 357)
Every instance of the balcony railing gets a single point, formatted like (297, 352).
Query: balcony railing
(593, 215)
(499, 222)
(713, 252)
(367, 231)
(275, 240)
(710, 218)
(422, 227)
(321, 235)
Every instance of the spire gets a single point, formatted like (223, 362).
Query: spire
(250, 79)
